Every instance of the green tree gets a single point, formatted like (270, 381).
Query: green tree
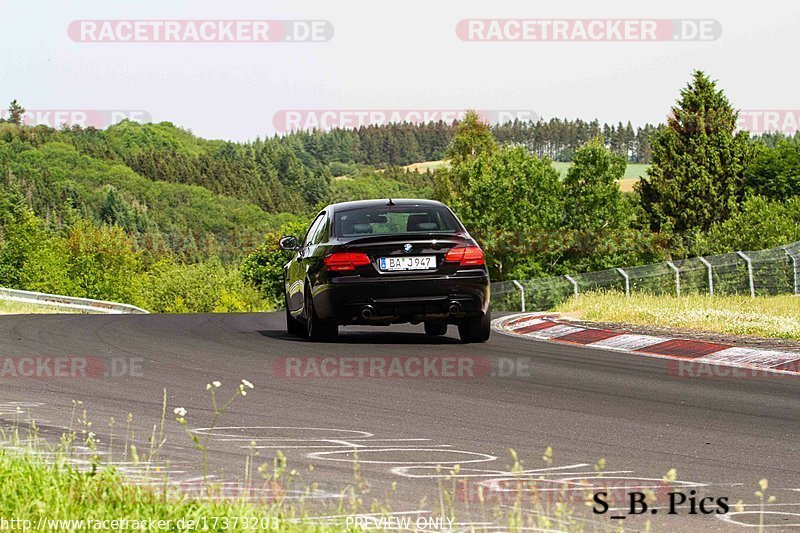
(696, 178)
(775, 172)
(21, 234)
(102, 263)
(47, 268)
(264, 267)
(599, 230)
(472, 139)
(511, 203)
(15, 113)
(593, 200)
(760, 223)
(116, 210)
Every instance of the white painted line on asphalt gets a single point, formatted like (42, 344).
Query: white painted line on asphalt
(239, 432)
(389, 440)
(480, 457)
(333, 446)
(784, 523)
(404, 471)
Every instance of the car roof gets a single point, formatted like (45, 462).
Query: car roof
(346, 206)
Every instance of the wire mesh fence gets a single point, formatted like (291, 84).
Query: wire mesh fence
(755, 273)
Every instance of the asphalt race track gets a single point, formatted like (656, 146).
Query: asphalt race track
(721, 435)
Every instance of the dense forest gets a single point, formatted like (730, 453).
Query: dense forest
(153, 215)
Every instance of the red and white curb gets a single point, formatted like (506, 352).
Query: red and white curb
(692, 358)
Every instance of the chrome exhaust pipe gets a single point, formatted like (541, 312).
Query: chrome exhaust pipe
(367, 312)
(454, 308)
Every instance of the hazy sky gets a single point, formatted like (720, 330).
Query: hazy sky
(390, 55)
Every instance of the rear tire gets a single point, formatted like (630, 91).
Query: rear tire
(318, 330)
(293, 326)
(435, 328)
(476, 329)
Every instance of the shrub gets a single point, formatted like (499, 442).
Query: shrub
(101, 263)
(170, 287)
(264, 267)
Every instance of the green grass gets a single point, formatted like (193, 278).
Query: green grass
(767, 316)
(52, 495)
(32, 490)
(8, 307)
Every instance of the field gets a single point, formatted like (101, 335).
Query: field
(427, 165)
(770, 316)
(632, 173)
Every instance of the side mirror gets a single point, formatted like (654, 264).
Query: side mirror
(289, 244)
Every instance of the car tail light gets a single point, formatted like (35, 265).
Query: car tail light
(341, 261)
(465, 256)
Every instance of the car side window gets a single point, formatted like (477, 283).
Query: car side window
(312, 231)
(321, 233)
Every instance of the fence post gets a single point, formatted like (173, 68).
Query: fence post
(574, 284)
(677, 278)
(794, 266)
(521, 293)
(627, 282)
(710, 276)
(749, 273)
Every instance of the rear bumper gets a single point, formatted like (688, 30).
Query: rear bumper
(411, 299)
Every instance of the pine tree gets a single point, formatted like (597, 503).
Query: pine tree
(698, 162)
(15, 113)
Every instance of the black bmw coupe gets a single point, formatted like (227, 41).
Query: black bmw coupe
(381, 262)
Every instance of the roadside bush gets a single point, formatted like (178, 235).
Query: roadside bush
(21, 234)
(47, 269)
(170, 287)
(264, 267)
(760, 223)
(101, 263)
(775, 172)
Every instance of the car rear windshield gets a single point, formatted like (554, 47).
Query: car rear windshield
(392, 220)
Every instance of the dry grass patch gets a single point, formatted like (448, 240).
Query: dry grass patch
(767, 316)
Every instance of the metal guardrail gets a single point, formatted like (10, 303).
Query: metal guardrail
(758, 273)
(70, 302)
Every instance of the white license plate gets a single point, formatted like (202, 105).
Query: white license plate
(418, 262)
